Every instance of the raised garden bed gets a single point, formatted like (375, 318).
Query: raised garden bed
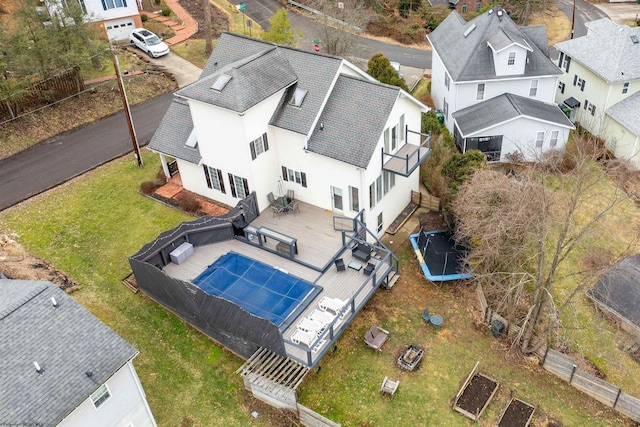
(410, 359)
(475, 394)
(516, 414)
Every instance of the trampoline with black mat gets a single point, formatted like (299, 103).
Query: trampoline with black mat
(440, 258)
(258, 288)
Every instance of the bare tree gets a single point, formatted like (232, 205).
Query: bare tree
(524, 227)
(341, 21)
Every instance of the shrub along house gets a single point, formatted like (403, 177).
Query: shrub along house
(489, 57)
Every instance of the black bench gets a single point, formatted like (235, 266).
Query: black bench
(362, 252)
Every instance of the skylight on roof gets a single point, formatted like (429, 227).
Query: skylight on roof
(298, 97)
(221, 82)
(634, 39)
(192, 141)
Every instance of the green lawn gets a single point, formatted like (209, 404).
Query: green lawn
(89, 227)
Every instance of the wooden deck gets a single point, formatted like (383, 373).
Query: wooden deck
(318, 243)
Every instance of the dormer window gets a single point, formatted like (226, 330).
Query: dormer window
(221, 82)
(512, 58)
(298, 97)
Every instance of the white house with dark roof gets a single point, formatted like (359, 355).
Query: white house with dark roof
(504, 125)
(61, 366)
(602, 69)
(487, 57)
(269, 118)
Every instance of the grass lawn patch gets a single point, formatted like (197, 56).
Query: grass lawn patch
(193, 51)
(557, 23)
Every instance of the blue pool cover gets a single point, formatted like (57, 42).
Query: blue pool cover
(440, 257)
(258, 288)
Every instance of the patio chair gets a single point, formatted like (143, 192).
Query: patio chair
(277, 210)
(290, 194)
(271, 198)
(293, 207)
(369, 269)
(375, 337)
(340, 264)
(389, 386)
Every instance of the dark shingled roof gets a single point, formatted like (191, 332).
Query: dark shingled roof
(352, 123)
(253, 79)
(627, 112)
(469, 58)
(506, 107)
(173, 132)
(619, 289)
(66, 341)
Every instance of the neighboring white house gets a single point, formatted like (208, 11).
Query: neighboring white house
(269, 118)
(507, 124)
(602, 69)
(118, 17)
(61, 366)
(622, 124)
(486, 57)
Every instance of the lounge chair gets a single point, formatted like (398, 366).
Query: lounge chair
(389, 386)
(375, 337)
(369, 269)
(340, 264)
(303, 337)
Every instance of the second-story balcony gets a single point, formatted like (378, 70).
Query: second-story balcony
(409, 156)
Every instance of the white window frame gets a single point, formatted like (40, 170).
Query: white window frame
(238, 184)
(464, 8)
(387, 138)
(540, 138)
(354, 202)
(380, 222)
(215, 178)
(446, 79)
(533, 88)
(553, 141)
(480, 92)
(445, 109)
(512, 58)
(394, 138)
(402, 128)
(100, 396)
(625, 88)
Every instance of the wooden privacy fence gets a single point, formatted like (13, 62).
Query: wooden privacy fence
(567, 369)
(42, 93)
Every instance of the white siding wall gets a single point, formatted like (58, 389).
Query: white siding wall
(501, 61)
(97, 12)
(621, 141)
(519, 135)
(126, 405)
(438, 89)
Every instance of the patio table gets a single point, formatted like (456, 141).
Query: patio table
(355, 265)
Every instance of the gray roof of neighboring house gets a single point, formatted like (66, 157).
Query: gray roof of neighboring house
(469, 58)
(506, 107)
(173, 132)
(607, 50)
(67, 342)
(352, 123)
(253, 79)
(627, 112)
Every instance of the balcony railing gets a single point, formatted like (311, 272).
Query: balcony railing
(409, 157)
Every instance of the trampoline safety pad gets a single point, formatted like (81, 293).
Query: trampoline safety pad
(258, 288)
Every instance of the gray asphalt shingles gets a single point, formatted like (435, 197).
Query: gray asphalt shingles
(67, 341)
(173, 132)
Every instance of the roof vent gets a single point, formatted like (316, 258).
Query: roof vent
(221, 82)
(469, 30)
(54, 302)
(500, 12)
(321, 126)
(38, 368)
(490, 11)
(89, 374)
(634, 39)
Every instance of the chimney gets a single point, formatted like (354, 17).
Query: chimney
(38, 368)
(54, 302)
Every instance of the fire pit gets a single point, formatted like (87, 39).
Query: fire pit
(410, 358)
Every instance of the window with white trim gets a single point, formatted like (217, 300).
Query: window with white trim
(446, 79)
(354, 203)
(112, 4)
(394, 138)
(380, 187)
(387, 138)
(553, 141)
(402, 128)
(445, 109)
(592, 109)
(533, 89)
(625, 88)
(380, 222)
(512, 58)
(480, 92)
(100, 396)
(561, 86)
(464, 8)
(389, 179)
(577, 81)
(291, 175)
(214, 179)
(539, 139)
(258, 146)
(239, 186)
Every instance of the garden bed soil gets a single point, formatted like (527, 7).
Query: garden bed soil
(476, 395)
(516, 414)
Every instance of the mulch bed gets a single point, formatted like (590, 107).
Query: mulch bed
(476, 394)
(518, 414)
(219, 19)
(402, 218)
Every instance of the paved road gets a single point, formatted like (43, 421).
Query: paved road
(261, 11)
(585, 12)
(68, 155)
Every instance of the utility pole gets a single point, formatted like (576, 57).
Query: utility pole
(573, 18)
(125, 103)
